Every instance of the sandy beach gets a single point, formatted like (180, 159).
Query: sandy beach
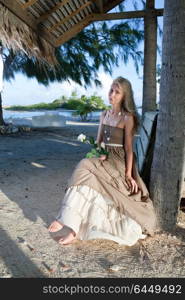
(34, 169)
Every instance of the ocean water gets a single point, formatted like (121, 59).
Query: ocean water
(29, 114)
(7, 114)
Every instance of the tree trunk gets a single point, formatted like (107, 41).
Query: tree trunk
(169, 152)
(1, 112)
(1, 86)
(150, 58)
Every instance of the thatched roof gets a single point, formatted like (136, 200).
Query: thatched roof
(38, 26)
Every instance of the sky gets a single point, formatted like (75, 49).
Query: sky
(24, 91)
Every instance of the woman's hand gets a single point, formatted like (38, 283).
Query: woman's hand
(132, 185)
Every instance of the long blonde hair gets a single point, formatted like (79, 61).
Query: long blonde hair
(128, 103)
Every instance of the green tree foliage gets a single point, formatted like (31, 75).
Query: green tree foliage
(80, 58)
(59, 102)
(87, 105)
(158, 73)
(84, 105)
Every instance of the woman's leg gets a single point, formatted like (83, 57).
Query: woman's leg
(68, 221)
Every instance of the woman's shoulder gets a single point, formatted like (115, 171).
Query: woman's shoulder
(104, 111)
(128, 115)
(129, 119)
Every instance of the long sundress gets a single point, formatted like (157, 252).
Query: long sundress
(97, 203)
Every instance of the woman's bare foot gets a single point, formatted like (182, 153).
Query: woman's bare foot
(68, 239)
(55, 226)
(103, 157)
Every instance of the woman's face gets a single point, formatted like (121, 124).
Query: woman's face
(116, 94)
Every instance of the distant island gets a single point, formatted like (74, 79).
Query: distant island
(39, 106)
(74, 102)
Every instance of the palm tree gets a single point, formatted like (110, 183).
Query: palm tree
(168, 165)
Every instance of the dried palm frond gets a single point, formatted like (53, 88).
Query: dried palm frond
(18, 36)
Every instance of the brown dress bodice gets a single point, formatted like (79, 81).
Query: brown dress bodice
(113, 135)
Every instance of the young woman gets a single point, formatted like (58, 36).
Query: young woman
(106, 197)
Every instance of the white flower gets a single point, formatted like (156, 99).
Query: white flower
(81, 137)
(102, 145)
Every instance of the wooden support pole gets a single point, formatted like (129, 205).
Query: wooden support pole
(111, 4)
(150, 58)
(100, 5)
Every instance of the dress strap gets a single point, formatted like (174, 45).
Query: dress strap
(122, 119)
(104, 113)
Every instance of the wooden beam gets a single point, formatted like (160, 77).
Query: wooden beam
(73, 31)
(27, 18)
(52, 10)
(29, 3)
(99, 17)
(125, 15)
(70, 16)
(112, 4)
(99, 3)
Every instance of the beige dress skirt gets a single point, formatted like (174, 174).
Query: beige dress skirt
(97, 203)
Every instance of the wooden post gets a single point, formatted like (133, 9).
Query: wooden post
(150, 57)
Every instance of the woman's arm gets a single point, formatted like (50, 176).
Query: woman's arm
(129, 126)
(99, 134)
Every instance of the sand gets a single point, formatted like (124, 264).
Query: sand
(34, 169)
